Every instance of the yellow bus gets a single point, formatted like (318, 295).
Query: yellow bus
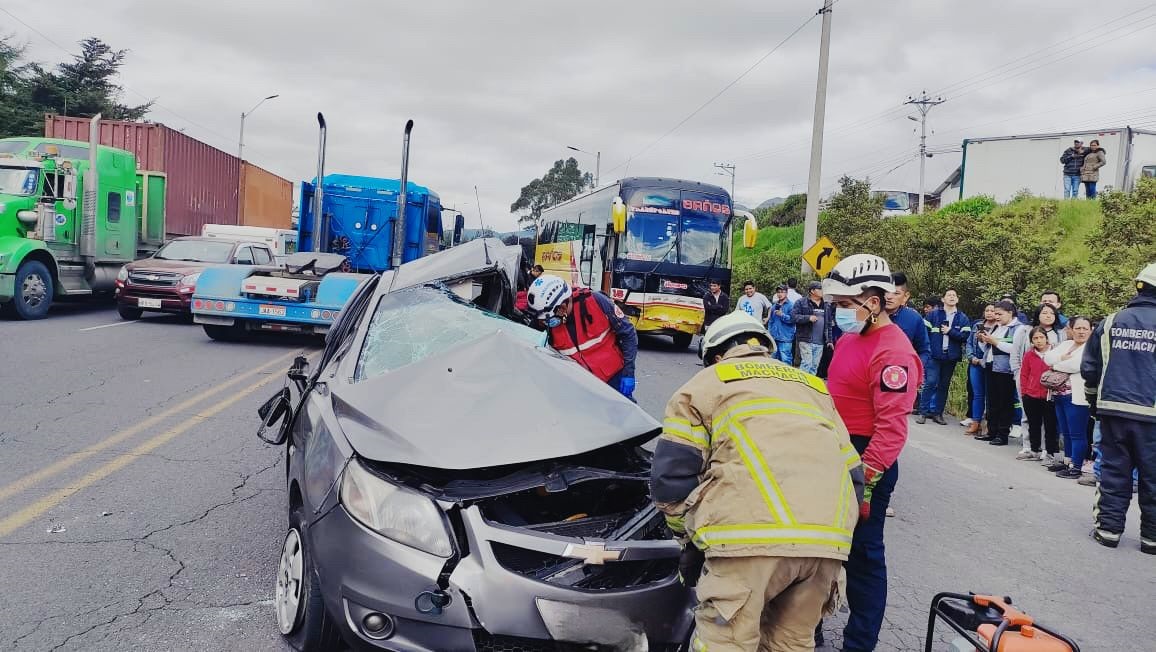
(677, 238)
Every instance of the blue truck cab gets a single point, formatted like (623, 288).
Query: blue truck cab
(306, 293)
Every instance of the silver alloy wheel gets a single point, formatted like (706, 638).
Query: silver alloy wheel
(287, 596)
(34, 290)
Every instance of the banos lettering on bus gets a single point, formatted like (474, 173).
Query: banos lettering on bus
(705, 206)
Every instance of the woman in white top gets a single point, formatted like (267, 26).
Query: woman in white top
(1072, 410)
(1047, 318)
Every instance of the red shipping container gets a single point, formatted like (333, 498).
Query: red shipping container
(202, 181)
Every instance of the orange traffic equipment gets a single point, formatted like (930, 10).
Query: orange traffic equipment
(991, 624)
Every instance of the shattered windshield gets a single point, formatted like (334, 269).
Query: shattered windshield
(412, 325)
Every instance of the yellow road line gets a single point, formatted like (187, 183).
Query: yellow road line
(32, 479)
(36, 509)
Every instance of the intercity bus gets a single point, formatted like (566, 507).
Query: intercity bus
(658, 264)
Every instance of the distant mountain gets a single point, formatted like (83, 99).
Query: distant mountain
(771, 203)
(741, 207)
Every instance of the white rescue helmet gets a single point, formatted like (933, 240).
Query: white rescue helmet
(546, 293)
(728, 327)
(856, 273)
(1147, 275)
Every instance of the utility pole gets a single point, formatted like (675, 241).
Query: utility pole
(597, 162)
(924, 104)
(728, 168)
(811, 223)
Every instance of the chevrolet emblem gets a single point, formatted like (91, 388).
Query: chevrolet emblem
(592, 553)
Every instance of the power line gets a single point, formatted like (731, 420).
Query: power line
(125, 87)
(720, 93)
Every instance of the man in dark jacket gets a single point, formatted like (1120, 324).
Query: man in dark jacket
(1073, 161)
(911, 323)
(715, 303)
(810, 331)
(1119, 372)
(948, 331)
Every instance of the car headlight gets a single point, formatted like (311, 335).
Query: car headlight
(395, 513)
(191, 279)
(122, 275)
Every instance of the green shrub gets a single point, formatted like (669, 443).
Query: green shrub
(972, 206)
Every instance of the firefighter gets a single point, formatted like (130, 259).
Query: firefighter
(587, 327)
(1119, 372)
(873, 378)
(758, 479)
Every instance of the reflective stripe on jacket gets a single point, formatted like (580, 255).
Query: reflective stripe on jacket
(594, 345)
(1119, 362)
(754, 460)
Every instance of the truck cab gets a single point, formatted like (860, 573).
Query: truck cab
(66, 228)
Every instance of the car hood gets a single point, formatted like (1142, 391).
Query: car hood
(494, 401)
(162, 265)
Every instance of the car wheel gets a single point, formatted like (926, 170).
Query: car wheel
(682, 340)
(128, 313)
(301, 615)
(34, 291)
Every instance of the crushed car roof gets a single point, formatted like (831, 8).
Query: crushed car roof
(441, 383)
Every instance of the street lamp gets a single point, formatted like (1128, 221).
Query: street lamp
(241, 140)
(597, 161)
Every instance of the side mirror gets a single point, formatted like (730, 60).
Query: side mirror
(276, 416)
(299, 373)
(750, 233)
(618, 215)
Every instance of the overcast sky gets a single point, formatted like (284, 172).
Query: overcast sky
(498, 89)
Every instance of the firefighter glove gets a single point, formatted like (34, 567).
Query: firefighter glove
(871, 478)
(690, 564)
(1092, 405)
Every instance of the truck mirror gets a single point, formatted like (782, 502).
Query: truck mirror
(70, 189)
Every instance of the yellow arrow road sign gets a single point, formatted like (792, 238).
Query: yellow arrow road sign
(822, 256)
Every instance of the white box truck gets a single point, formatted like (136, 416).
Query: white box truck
(282, 241)
(1001, 167)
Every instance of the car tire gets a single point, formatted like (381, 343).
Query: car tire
(682, 340)
(128, 313)
(300, 610)
(34, 291)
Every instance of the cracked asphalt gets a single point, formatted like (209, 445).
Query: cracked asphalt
(173, 547)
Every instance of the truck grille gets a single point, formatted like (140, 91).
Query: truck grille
(567, 572)
(155, 279)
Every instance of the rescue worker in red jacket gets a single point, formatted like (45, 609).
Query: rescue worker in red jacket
(873, 379)
(587, 327)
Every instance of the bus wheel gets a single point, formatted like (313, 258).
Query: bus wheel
(682, 340)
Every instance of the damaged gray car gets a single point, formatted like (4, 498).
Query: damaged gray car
(454, 484)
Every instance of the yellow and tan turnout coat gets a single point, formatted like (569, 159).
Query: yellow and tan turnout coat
(754, 460)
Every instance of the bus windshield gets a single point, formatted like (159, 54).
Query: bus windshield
(685, 228)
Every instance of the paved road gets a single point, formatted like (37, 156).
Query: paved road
(138, 510)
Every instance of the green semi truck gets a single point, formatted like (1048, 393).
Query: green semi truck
(71, 215)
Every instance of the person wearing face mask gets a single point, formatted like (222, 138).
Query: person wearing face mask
(587, 327)
(873, 377)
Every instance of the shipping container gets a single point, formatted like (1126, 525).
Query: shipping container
(202, 182)
(266, 199)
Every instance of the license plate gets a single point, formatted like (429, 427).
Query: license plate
(272, 311)
(148, 303)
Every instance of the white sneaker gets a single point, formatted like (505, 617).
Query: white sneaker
(1028, 455)
(967, 422)
(1048, 459)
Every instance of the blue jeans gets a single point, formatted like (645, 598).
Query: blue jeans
(936, 381)
(978, 391)
(867, 566)
(784, 352)
(1073, 422)
(1071, 187)
(1090, 189)
(809, 355)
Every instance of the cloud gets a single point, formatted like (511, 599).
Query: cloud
(497, 90)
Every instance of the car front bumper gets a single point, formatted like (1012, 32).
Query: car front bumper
(490, 606)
